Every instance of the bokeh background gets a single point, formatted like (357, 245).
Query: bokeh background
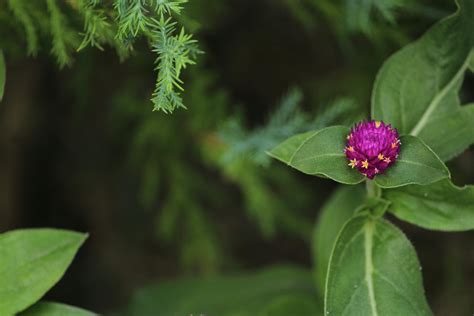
(167, 197)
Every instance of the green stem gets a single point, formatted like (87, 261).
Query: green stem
(372, 189)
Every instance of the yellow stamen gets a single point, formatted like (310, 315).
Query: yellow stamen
(349, 136)
(350, 148)
(353, 163)
(394, 144)
(377, 124)
(380, 156)
(387, 160)
(365, 164)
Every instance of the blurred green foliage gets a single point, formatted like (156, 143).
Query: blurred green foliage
(270, 292)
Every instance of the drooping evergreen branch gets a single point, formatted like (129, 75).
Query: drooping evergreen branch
(117, 24)
(64, 38)
(20, 11)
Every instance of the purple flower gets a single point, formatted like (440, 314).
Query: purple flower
(372, 147)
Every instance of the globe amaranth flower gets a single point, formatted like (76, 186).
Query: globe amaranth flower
(372, 147)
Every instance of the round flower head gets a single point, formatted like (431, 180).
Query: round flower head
(372, 147)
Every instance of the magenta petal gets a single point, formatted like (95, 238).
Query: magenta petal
(372, 147)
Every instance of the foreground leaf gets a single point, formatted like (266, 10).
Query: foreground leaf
(439, 206)
(55, 309)
(417, 164)
(31, 262)
(244, 294)
(374, 271)
(422, 80)
(3, 72)
(319, 153)
(336, 211)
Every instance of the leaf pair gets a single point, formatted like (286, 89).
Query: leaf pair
(31, 262)
(321, 153)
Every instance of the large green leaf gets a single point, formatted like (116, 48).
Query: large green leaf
(421, 81)
(338, 209)
(417, 164)
(374, 271)
(449, 134)
(3, 72)
(319, 153)
(438, 206)
(55, 309)
(31, 262)
(244, 294)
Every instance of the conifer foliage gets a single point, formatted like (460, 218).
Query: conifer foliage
(116, 23)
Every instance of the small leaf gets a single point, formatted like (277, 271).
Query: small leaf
(449, 134)
(31, 262)
(438, 206)
(417, 164)
(374, 271)
(3, 72)
(55, 309)
(319, 153)
(375, 206)
(336, 211)
(421, 80)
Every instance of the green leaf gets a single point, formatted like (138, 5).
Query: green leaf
(471, 62)
(300, 305)
(421, 80)
(31, 262)
(374, 271)
(336, 211)
(55, 309)
(439, 206)
(319, 153)
(449, 134)
(3, 71)
(417, 164)
(243, 294)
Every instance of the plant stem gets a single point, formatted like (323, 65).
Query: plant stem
(372, 189)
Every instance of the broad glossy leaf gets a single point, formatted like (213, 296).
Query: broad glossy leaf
(245, 294)
(31, 262)
(439, 206)
(336, 211)
(319, 153)
(3, 72)
(55, 309)
(374, 271)
(449, 134)
(417, 164)
(422, 79)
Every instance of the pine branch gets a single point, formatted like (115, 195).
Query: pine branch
(175, 52)
(97, 31)
(286, 121)
(64, 38)
(20, 11)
